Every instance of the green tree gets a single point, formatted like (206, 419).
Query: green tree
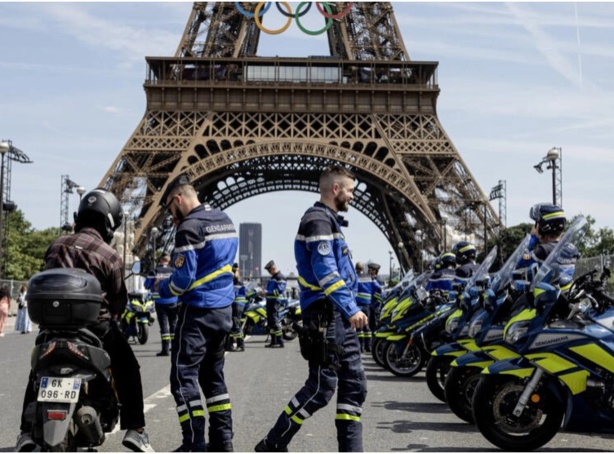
(25, 247)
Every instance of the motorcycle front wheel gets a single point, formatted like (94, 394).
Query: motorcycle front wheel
(436, 372)
(378, 351)
(288, 331)
(404, 365)
(143, 333)
(459, 389)
(494, 400)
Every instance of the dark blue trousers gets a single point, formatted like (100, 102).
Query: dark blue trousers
(167, 319)
(349, 381)
(197, 360)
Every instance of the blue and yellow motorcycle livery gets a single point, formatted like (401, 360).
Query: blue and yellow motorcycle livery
(465, 370)
(465, 356)
(254, 319)
(563, 376)
(138, 316)
(457, 326)
(409, 303)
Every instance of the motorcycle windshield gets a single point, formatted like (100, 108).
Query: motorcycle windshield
(505, 274)
(482, 271)
(556, 262)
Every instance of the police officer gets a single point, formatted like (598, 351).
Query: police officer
(331, 317)
(275, 290)
(205, 247)
(366, 298)
(98, 216)
(549, 223)
(378, 299)
(238, 306)
(465, 254)
(443, 277)
(166, 308)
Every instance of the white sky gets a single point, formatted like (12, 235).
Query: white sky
(516, 79)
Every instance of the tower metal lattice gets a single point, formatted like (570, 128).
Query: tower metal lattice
(243, 125)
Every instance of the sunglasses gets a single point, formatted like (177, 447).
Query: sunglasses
(168, 205)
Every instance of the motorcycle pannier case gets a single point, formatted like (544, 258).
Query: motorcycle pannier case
(64, 298)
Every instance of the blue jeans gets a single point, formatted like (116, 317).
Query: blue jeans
(348, 379)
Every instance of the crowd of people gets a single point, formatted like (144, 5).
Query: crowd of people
(200, 298)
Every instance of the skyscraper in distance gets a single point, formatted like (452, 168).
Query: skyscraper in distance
(250, 249)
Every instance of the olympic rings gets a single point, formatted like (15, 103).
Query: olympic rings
(251, 15)
(324, 8)
(266, 30)
(329, 22)
(292, 15)
(343, 13)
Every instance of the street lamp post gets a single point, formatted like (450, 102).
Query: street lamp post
(554, 161)
(154, 237)
(80, 191)
(419, 235)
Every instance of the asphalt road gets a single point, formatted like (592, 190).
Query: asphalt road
(399, 414)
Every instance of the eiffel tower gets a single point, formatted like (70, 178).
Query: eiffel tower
(242, 125)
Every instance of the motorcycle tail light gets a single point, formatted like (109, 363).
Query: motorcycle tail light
(50, 348)
(56, 415)
(75, 350)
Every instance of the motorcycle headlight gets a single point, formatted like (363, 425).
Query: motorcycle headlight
(516, 331)
(452, 324)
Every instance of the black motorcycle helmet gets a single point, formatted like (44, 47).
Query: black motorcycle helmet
(100, 210)
(464, 252)
(448, 260)
(550, 219)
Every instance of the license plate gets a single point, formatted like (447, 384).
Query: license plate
(55, 389)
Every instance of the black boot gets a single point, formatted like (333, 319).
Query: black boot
(166, 346)
(264, 446)
(240, 345)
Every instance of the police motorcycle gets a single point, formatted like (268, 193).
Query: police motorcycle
(254, 320)
(408, 351)
(466, 369)
(411, 306)
(563, 374)
(138, 316)
(487, 326)
(76, 403)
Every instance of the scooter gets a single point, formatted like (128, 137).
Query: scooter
(138, 316)
(75, 401)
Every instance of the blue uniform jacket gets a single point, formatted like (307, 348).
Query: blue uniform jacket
(240, 294)
(324, 262)
(205, 248)
(464, 273)
(161, 272)
(276, 287)
(368, 292)
(442, 279)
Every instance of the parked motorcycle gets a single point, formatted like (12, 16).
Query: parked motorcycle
(76, 402)
(254, 319)
(563, 376)
(457, 326)
(485, 327)
(138, 316)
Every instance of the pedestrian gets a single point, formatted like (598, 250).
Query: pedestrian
(166, 308)
(275, 291)
(238, 306)
(5, 301)
(331, 317)
(23, 323)
(99, 215)
(205, 247)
